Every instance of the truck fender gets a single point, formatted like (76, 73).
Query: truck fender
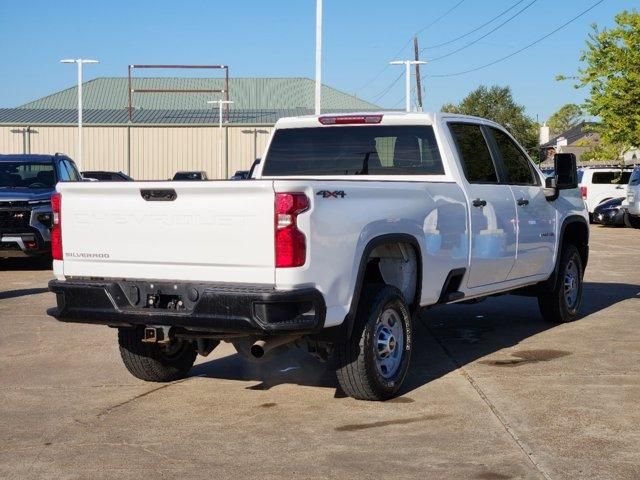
(550, 284)
(371, 245)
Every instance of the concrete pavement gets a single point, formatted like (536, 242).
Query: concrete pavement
(493, 393)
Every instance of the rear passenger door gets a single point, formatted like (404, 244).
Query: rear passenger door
(536, 216)
(492, 209)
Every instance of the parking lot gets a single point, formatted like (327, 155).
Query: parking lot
(493, 393)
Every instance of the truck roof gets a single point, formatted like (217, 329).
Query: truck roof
(29, 157)
(392, 117)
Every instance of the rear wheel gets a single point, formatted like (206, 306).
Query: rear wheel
(154, 362)
(563, 303)
(631, 221)
(373, 363)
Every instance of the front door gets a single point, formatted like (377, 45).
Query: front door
(492, 209)
(536, 216)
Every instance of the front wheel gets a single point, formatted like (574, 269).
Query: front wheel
(153, 362)
(373, 363)
(562, 304)
(631, 221)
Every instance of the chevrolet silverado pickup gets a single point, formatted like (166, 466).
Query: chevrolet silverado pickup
(26, 185)
(350, 227)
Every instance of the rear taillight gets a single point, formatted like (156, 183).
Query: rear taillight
(290, 243)
(583, 192)
(56, 228)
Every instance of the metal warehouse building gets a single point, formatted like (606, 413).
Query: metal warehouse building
(168, 131)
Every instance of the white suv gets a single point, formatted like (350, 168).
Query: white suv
(632, 204)
(598, 184)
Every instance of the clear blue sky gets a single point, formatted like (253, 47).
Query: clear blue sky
(276, 38)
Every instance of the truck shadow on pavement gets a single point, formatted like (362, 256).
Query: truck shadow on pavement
(446, 338)
(25, 264)
(24, 292)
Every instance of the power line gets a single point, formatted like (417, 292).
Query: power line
(485, 35)
(521, 49)
(409, 41)
(453, 40)
(437, 19)
(385, 91)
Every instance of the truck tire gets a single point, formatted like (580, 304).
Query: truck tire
(631, 221)
(562, 304)
(373, 363)
(152, 362)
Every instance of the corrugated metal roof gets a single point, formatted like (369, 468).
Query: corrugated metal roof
(111, 93)
(59, 116)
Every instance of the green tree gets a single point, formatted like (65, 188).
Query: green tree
(496, 103)
(566, 117)
(611, 72)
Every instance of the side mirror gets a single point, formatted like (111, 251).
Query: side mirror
(566, 171)
(551, 191)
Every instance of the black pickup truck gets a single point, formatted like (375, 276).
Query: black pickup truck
(26, 185)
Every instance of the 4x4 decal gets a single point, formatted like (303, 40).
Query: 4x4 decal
(330, 194)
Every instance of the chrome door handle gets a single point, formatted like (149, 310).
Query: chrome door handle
(523, 202)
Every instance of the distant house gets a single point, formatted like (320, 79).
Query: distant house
(577, 140)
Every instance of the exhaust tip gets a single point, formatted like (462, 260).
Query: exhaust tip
(257, 351)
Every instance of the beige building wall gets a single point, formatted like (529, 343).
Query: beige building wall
(148, 152)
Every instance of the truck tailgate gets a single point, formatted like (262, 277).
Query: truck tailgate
(211, 232)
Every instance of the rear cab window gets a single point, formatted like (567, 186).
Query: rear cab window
(354, 150)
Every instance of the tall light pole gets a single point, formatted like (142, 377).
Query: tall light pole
(407, 64)
(255, 132)
(79, 62)
(318, 56)
(220, 103)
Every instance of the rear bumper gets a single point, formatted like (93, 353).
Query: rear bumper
(216, 308)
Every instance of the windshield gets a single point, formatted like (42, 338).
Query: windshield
(370, 150)
(635, 177)
(27, 175)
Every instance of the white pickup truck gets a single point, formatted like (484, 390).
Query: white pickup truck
(350, 227)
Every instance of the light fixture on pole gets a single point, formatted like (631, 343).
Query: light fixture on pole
(220, 103)
(407, 64)
(79, 62)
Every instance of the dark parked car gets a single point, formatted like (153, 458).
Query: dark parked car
(26, 185)
(190, 176)
(246, 174)
(107, 176)
(610, 213)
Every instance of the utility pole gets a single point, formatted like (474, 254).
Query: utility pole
(418, 79)
(407, 64)
(79, 62)
(220, 104)
(318, 98)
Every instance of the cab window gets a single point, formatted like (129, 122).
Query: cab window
(63, 173)
(474, 153)
(517, 166)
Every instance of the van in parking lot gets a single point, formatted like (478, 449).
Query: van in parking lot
(598, 184)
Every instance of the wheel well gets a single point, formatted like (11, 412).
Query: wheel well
(577, 233)
(396, 264)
